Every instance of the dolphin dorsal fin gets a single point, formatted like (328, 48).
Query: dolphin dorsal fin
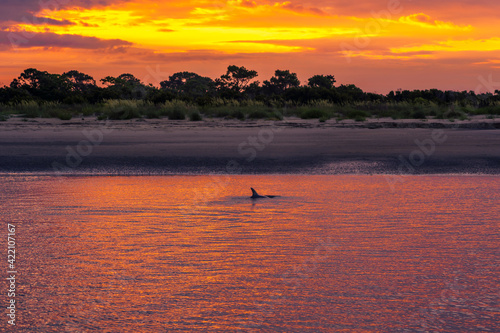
(254, 192)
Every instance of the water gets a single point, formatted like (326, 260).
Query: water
(195, 254)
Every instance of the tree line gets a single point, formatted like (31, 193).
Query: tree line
(238, 83)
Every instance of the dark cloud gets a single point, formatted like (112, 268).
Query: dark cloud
(443, 9)
(26, 10)
(46, 20)
(302, 9)
(23, 39)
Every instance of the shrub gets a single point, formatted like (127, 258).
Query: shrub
(222, 112)
(152, 113)
(177, 109)
(358, 115)
(313, 113)
(123, 114)
(88, 110)
(276, 115)
(492, 110)
(195, 116)
(238, 114)
(122, 109)
(29, 109)
(64, 115)
(258, 114)
(420, 100)
(177, 114)
(418, 114)
(453, 114)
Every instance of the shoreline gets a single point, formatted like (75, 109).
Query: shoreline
(474, 122)
(291, 146)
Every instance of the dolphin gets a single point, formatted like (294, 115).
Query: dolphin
(256, 195)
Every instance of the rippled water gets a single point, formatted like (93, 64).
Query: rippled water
(195, 254)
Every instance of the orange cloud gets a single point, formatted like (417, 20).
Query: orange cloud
(425, 21)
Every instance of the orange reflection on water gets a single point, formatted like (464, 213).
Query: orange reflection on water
(194, 253)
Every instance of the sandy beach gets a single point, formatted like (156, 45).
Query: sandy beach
(162, 146)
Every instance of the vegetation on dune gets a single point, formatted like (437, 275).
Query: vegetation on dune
(234, 95)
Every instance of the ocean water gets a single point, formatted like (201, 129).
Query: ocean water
(332, 253)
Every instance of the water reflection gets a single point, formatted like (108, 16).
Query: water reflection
(332, 254)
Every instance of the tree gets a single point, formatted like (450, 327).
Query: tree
(351, 93)
(125, 86)
(199, 86)
(176, 81)
(14, 95)
(83, 88)
(43, 85)
(236, 79)
(80, 82)
(322, 81)
(187, 84)
(281, 81)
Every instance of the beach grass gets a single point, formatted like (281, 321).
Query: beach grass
(247, 109)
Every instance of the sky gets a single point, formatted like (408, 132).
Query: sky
(378, 45)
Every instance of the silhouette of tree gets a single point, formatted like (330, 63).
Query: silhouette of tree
(321, 81)
(125, 86)
(235, 81)
(74, 87)
(281, 81)
(14, 95)
(83, 88)
(80, 82)
(42, 85)
(190, 85)
(176, 81)
(350, 93)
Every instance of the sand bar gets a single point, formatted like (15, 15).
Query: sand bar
(162, 146)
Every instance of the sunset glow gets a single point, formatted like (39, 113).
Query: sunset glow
(406, 44)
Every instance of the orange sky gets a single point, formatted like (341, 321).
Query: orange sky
(379, 45)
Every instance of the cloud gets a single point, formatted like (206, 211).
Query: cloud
(26, 10)
(456, 46)
(303, 10)
(24, 39)
(37, 20)
(248, 4)
(425, 21)
(458, 11)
